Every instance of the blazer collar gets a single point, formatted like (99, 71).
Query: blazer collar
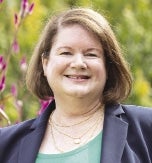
(31, 142)
(114, 135)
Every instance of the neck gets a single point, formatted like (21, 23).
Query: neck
(76, 107)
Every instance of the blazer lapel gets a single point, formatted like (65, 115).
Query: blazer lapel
(114, 135)
(30, 144)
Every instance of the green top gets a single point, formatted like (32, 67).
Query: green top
(89, 153)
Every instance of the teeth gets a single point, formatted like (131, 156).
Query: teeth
(77, 77)
(73, 77)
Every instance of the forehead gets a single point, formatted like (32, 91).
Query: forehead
(71, 34)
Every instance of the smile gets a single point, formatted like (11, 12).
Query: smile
(78, 77)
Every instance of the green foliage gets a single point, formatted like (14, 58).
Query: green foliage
(131, 21)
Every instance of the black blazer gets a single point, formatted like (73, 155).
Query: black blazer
(127, 136)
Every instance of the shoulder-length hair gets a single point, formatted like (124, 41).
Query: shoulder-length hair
(119, 80)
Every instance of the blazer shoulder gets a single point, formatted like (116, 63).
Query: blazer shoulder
(140, 114)
(11, 136)
(134, 109)
(9, 132)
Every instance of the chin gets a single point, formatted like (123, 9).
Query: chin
(77, 94)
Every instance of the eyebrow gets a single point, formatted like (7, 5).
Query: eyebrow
(89, 49)
(64, 47)
(97, 49)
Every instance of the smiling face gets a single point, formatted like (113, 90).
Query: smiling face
(76, 65)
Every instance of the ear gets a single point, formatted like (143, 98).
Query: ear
(44, 64)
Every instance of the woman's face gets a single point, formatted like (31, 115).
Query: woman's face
(76, 65)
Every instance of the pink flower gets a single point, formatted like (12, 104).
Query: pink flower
(2, 63)
(26, 8)
(31, 8)
(15, 46)
(15, 19)
(1, 1)
(44, 104)
(14, 90)
(1, 58)
(24, 4)
(23, 64)
(2, 84)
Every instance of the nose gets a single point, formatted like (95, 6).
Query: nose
(78, 62)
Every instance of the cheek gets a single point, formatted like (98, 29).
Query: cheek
(102, 78)
(55, 67)
(101, 71)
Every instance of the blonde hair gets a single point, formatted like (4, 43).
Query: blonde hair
(119, 81)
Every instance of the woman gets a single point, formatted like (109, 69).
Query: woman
(78, 61)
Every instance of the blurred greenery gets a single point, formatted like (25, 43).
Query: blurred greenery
(131, 21)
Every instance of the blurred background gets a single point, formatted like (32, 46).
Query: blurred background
(21, 22)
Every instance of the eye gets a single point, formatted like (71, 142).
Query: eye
(66, 53)
(91, 55)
